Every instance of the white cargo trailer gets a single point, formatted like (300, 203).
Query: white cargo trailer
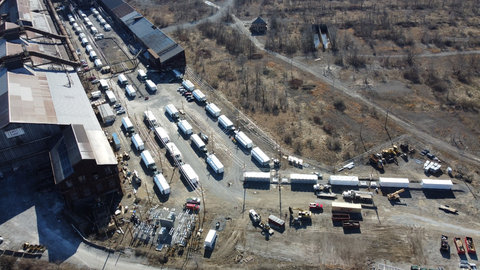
(106, 113)
(141, 74)
(199, 96)
(148, 160)
(173, 151)
(225, 123)
(151, 85)
(213, 109)
(161, 184)
(260, 156)
(214, 163)
(296, 178)
(210, 239)
(256, 176)
(172, 111)
(394, 182)
(93, 55)
(122, 79)
(343, 180)
(150, 118)
(162, 135)
(436, 184)
(98, 63)
(103, 84)
(198, 142)
(130, 91)
(127, 124)
(93, 30)
(88, 48)
(244, 140)
(138, 142)
(107, 27)
(189, 173)
(96, 94)
(188, 85)
(185, 127)
(111, 96)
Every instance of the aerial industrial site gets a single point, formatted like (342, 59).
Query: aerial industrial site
(239, 134)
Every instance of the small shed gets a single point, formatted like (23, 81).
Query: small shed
(258, 26)
(106, 113)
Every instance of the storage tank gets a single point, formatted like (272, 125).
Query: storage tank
(296, 178)
(256, 176)
(394, 182)
(436, 184)
(343, 180)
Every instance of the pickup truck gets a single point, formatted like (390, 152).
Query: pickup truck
(255, 217)
(447, 208)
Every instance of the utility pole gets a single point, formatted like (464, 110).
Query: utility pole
(148, 196)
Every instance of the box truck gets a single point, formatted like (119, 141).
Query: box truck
(116, 142)
(260, 156)
(199, 143)
(141, 74)
(161, 184)
(244, 140)
(122, 79)
(188, 85)
(98, 63)
(107, 27)
(150, 118)
(199, 96)
(88, 48)
(185, 127)
(130, 91)
(213, 109)
(103, 84)
(111, 96)
(137, 141)
(210, 239)
(189, 174)
(173, 151)
(225, 123)
(151, 86)
(214, 163)
(172, 111)
(93, 55)
(93, 30)
(96, 94)
(148, 160)
(127, 125)
(162, 135)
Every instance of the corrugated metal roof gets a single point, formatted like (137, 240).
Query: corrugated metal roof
(112, 4)
(259, 21)
(128, 19)
(101, 148)
(122, 10)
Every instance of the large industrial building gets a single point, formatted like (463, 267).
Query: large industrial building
(162, 52)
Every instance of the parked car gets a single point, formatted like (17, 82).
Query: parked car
(116, 106)
(203, 137)
(84, 63)
(121, 111)
(95, 81)
(187, 94)
(91, 78)
(190, 98)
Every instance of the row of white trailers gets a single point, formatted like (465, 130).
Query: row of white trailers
(347, 180)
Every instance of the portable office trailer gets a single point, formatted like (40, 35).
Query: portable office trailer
(198, 142)
(98, 63)
(394, 182)
(185, 127)
(162, 135)
(151, 85)
(436, 184)
(199, 96)
(213, 109)
(173, 151)
(161, 184)
(150, 118)
(189, 173)
(127, 124)
(260, 156)
(106, 113)
(346, 207)
(225, 122)
(256, 176)
(148, 160)
(141, 74)
(215, 164)
(137, 141)
(343, 180)
(172, 111)
(122, 79)
(274, 220)
(130, 91)
(103, 84)
(188, 85)
(303, 178)
(111, 96)
(243, 140)
(210, 239)
(116, 141)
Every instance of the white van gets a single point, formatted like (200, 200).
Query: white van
(85, 41)
(94, 30)
(89, 24)
(93, 55)
(99, 17)
(72, 20)
(86, 20)
(81, 36)
(92, 9)
(89, 48)
(74, 25)
(98, 63)
(107, 27)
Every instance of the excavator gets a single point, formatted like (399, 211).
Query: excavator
(302, 214)
(395, 196)
(376, 161)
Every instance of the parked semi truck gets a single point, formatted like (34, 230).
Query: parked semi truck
(141, 74)
(122, 79)
(150, 118)
(151, 85)
(173, 151)
(357, 195)
(161, 184)
(162, 135)
(260, 157)
(188, 85)
(189, 174)
(226, 123)
(244, 140)
(130, 91)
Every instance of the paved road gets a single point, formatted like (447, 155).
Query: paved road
(425, 54)
(410, 127)
(213, 17)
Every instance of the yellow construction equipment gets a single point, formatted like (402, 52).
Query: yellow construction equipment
(395, 196)
(301, 213)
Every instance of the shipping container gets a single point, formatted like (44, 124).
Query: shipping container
(188, 85)
(116, 142)
(303, 178)
(189, 174)
(161, 184)
(256, 176)
(244, 140)
(148, 160)
(127, 125)
(138, 142)
(394, 182)
(436, 184)
(260, 157)
(162, 135)
(213, 109)
(343, 180)
(210, 239)
(185, 127)
(346, 207)
(199, 96)
(215, 164)
(225, 123)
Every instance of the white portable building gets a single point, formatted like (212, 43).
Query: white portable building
(103, 84)
(106, 113)
(243, 140)
(110, 96)
(122, 79)
(185, 127)
(150, 118)
(260, 156)
(188, 85)
(130, 91)
(138, 142)
(225, 122)
(148, 160)
(172, 111)
(394, 182)
(215, 164)
(98, 63)
(173, 150)
(162, 135)
(189, 173)
(343, 180)
(151, 85)
(210, 239)
(127, 124)
(213, 109)
(161, 184)
(256, 176)
(436, 184)
(303, 178)
(199, 96)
